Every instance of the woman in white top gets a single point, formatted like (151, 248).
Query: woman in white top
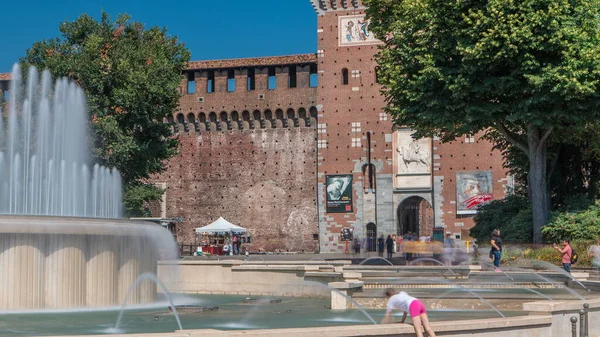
(404, 302)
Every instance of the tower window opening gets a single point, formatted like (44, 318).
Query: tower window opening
(272, 79)
(251, 79)
(313, 77)
(231, 80)
(292, 76)
(210, 81)
(191, 82)
(345, 76)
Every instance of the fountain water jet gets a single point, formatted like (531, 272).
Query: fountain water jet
(46, 154)
(349, 298)
(432, 260)
(152, 277)
(58, 248)
(376, 258)
(462, 288)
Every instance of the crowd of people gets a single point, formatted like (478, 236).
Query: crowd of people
(221, 245)
(411, 246)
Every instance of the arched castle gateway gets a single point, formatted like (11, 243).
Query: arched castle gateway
(297, 147)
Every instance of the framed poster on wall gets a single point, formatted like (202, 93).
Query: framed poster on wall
(473, 189)
(339, 193)
(354, 31)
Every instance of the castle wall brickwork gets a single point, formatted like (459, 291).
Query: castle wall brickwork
(248, 155)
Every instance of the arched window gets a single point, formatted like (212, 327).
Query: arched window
(223, 116)
(345, 76)
(191, 118)
(246, 115)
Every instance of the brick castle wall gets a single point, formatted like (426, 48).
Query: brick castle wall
(247, 155)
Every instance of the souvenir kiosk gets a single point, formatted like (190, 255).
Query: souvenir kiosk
(219, 237)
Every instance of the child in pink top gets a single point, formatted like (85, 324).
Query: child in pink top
(404, 302)
(567, 253)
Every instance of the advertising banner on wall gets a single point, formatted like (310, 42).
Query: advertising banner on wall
(339, 193)
(473, 189)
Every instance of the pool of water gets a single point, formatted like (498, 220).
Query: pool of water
(231, 315)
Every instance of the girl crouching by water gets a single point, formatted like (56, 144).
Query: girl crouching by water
(408, 304)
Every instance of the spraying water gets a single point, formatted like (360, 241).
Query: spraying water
(432, 260)
(523, 288)
(44, 161)
(550, 266)
(153, 278)
(500, 270)
(345, 296)
(462, 288)
(376, 258)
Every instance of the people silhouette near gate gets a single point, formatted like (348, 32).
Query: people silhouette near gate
(389, 243)
(380, 245)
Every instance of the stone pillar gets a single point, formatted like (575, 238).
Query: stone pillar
(341, 292)
(129, 269)
(102, 271)
(66, 271)
(149, 258)
(21, 271)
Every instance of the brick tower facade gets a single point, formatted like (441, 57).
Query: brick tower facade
(391, 184)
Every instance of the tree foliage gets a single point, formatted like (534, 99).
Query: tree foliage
(525, 69)
(583, 225)
(573, 165)
(131, 76)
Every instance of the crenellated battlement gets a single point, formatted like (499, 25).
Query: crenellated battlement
(244, 120)
(322, 6)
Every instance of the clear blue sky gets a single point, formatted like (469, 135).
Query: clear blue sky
(211, 29)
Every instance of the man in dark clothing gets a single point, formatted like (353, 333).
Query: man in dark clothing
(389, 242)
(380, 243)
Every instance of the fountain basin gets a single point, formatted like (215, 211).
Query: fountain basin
(69, 262)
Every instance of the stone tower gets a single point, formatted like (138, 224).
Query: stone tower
(372, 176)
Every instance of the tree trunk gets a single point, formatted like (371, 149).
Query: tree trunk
(537, 178)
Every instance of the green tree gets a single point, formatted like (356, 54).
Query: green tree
(131, 76)
(524, 69)
(577, 225)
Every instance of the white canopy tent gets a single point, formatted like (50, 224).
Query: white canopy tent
(221, 226)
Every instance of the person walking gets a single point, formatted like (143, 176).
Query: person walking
(567, 253)
(408, 304)
(496, 251)
(448, 249)
(380, 245)
(389, 242)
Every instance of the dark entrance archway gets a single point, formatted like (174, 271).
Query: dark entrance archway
(371, 237)
(415, 215)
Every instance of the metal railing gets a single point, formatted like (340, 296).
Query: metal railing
(583, 322)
